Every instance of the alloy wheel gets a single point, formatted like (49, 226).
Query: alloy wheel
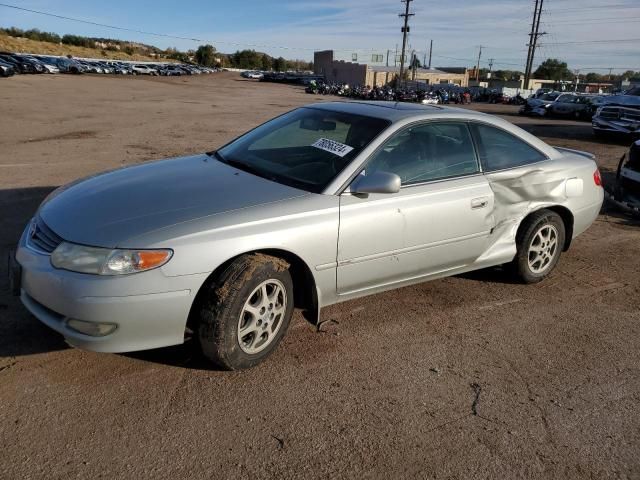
(543, 248)
(262, 316)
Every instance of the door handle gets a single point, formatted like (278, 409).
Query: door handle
(479, 202)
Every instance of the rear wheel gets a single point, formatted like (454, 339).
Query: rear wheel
(539, 243)
(246, 311)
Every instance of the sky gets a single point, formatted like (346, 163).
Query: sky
(579, 32)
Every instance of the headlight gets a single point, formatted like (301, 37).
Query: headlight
(105, 261)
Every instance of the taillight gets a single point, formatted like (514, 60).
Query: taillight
(597, 179)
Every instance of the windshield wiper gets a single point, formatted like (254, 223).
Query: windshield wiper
(245, 167)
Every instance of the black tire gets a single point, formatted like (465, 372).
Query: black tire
(224, 302)
(520, 266)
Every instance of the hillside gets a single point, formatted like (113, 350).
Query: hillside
(20, 44)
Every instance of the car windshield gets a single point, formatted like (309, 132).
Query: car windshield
(305, 148)
(549, 96)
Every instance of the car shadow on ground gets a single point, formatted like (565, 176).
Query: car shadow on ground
(186, 356)
(491, 275)
(20, 332)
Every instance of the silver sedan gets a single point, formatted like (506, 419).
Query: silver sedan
(323, 204)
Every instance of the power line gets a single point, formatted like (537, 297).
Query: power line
(570, 22)
(593, 41)
(579, 9)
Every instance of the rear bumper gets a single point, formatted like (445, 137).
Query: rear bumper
(583, 218)
(150, 309)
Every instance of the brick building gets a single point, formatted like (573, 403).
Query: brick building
(366, 74)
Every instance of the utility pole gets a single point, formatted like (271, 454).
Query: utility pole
(387, 57)
(490, 67)
(430, 51)
(412, 65)
(530, 44)
(478, 65)
(533, 40)
(395, 57)
(405, 31)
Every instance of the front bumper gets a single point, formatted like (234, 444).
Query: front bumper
(149, 308)
(614, 126)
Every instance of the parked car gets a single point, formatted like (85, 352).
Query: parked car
(49, 63)
(19, 65)
(143, 70)
(69, 65)
(620, 114)
(538, 105)
(252, 74)
(36, 64)
(625, 190)
(320, 205)
(570, 105)
(6, 69)
(90, 67)
(171, 70)
(49, 68)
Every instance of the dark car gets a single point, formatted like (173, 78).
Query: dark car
(538, 105)
(20, 66)
(6, 69)
(37, 64)
(69, 65)
(619, 114)
(571, 105)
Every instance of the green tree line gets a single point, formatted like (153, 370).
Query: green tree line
(555, 69)
(204, 55)
(247, 60)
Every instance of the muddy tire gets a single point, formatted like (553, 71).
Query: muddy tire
(246, 312)
(539, 243)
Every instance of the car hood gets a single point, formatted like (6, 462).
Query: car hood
(107, 209)
(623, 100)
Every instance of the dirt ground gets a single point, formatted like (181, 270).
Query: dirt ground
(467, 377)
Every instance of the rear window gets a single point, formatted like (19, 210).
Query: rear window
(500, 150)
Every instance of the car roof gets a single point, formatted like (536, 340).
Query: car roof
(394, 111)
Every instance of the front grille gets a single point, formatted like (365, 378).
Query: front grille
(42, 238)
(620, 113)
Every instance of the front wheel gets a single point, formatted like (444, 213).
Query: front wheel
(246, 311)
(539, 243)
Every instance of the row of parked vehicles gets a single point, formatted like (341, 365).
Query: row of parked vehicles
(18, 63)
(607, 113)
(580, 106)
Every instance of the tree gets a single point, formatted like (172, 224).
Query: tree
(266, 62)
(247, 59)
(205, 55)
(506, 74)
(592, 77)
(553, 69)
(279, 64)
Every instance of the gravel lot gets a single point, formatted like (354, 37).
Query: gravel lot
(467, 377)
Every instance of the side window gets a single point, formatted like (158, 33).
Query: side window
(500, 150)
(431, 151)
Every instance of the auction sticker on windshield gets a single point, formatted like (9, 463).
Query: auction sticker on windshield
(332, 146)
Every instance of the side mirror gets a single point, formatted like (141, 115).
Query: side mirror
(377, 182)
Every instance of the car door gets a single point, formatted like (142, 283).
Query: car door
(438, 221)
